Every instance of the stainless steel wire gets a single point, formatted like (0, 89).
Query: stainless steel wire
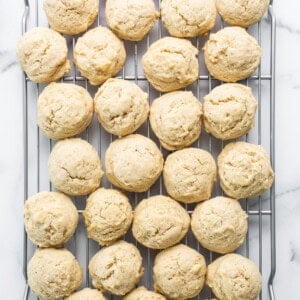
(260, 244)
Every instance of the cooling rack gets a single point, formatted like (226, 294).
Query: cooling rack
(260, 241)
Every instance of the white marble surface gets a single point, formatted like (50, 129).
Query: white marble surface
(287, 151)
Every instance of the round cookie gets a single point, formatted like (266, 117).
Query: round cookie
(131, 19)
(99, 55)
(53, 273)
(107, 216)
(133, 163)
(179, 272)
(189, 18)
(121, 106)
(175, 119)
(64, 110)
(243, 12)
(74, 167)
(189, 175)
(69, 16)
(160, 222)
(245, 170)
(50, 219)
(87, 294)
(229, 111)
(234, 277)
(231, 54)
(43, 55)
(141, 293)
(171, 64)
(220, 224)
(117, 268)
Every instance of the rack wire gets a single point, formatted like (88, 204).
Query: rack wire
(260, 241)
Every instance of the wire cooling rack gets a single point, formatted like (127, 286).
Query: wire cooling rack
(260, 242)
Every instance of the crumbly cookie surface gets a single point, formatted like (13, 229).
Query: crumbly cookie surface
(141, 293)
(86, 294)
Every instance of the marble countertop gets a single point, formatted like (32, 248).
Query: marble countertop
(286, 282)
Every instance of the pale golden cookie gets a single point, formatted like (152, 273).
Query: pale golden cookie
(86, 294)
(231, 54)
(71, 16)
(175, 119)
(220, 224)
(116, 269)
(229, 111)
(131, 19)
(160, 222)
(133, 163)
(74, 167)
(53, 273)
(99, 55)
(43, 55)
(189, 175)
(64, 110)
(121, 106)
(242, 12)
(188, 18)
(245, 170)
(107, 216)
(171, 64)
(234, 277)
(141, 293)
(50, 218)
(179, 272)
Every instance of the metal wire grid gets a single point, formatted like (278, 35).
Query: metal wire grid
(260, 241)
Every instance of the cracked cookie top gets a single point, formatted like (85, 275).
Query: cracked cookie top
(171, 64)
(74, 167)
(121, 106)
(116, 269)
(229, 111)
(189, 18)
(69, 16)
(107, 216)
(131, 19)
(179, 272)
(141, 293)
(133, 163)
(64, 110)
(175, 119)
(43, 55)
(86, 294)
(160, 222)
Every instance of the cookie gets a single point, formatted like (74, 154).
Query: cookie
(107, 215)
(160, 222)
(179, 272)
(50, 219)
(133, 163)
(141, 293)
(189, 18)
(121, 106)
(245, 170)
(99, 55)
(74, 167)
(71, 17)
(131, 19)
(243, 12)
(231, 54)
(229, 111)
(87, 294)
(43, 55)
(171, 64)
(189, 175)
(53, 273)
(116, 269)
(175, 118)
(234, 277)
(64, 110)
(220, 224)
